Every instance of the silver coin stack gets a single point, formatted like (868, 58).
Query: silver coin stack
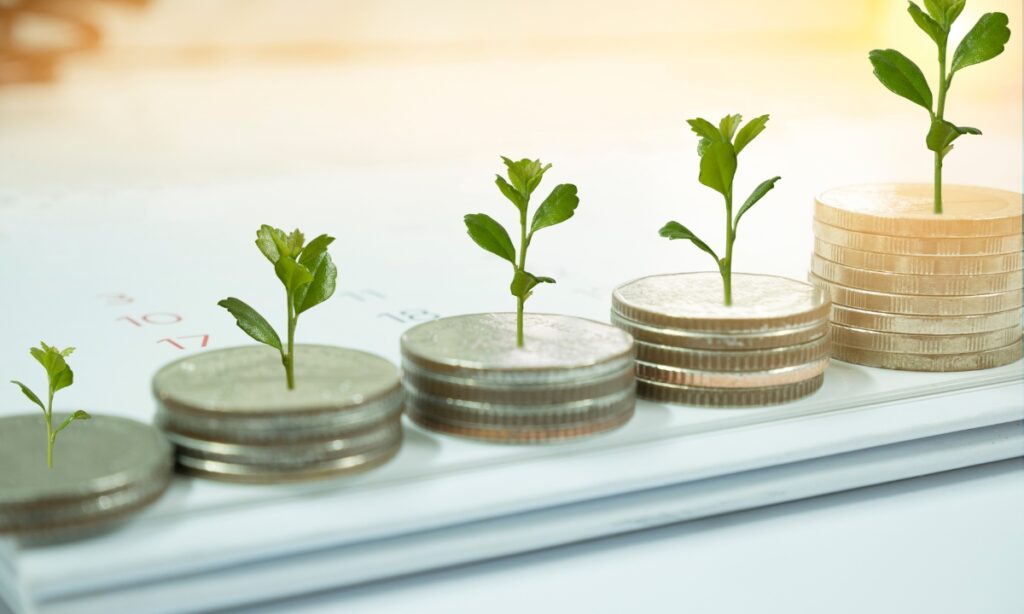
(105, 470)
(465, 376)
(231, 416)
(771, 346)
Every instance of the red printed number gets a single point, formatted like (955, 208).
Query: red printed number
(152, 318)
(177, 342)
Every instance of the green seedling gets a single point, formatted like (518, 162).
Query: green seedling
(900, 75)
(718, 149)
(523, 178)
(309, 277)
(59, 376)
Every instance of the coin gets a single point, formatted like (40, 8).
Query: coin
(727, 397)
(924, 344)
(734, 360)
(102, 467)
(276, 474)
(919, 305)
(924, 325)
(931, 285)
(961, 246)
(908, 210)
(473, 389)
(524, 434)
(239, 394)
(557, 349)
(780, 338)
(693, 302)
(919, 265)
(987, 359)
(749, 379)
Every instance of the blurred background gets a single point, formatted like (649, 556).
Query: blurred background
(151, 94)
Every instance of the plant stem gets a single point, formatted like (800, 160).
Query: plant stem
(940, 116)
(521, 300)
(726, 265)
(289, 358)
(50, 435)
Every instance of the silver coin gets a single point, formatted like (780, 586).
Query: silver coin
(924, 344)
(240, 393)
(557, 349)
(249, 473)
(918, 246)
(727, 397)
(742, 379)
(781, 338)
(919, 265)
(99, 465)
(924, 325)
(930, 285)
(919, 305)
(290, 454)
(944, 363)
(693, 302)
(734, 360)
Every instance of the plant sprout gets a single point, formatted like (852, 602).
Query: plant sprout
(718, 149)
(523, 178)
(986, 40)
(309, 277)
(59, 376)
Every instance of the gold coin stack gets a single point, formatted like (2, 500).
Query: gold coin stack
(920, 291)
(771, 346)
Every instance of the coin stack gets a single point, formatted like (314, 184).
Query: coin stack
(916, 290)
(466, 376)
(231, 416)
(104, 470)
(771, 346)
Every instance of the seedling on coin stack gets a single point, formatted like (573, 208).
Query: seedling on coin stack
(59, 376)
(524, 176)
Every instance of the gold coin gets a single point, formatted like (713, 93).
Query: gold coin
(732, 361)
(928, 285)
(919, 265)
(988, 359)
(924, 344)
(727, 397)
(692, 302)
(909, 246)
(780, 338)
(908, 210)
(749, 379)
(919, 305)
(924, 325)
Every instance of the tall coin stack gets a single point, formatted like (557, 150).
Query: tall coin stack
(916, 290)
(466, 376)
(231, 417)
(771, 346)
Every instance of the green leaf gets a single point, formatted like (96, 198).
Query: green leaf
(943, 133)
(268, 239)
(558, 207)
(28, 393)
(704, 129)
(58, 373)
(718, 167)
(312, 252)
(490, 235)
(728, 126)
(295, 242)
(321, 288)
(252, 322)
(758, 193)
(292, 274)
(986, 40)
(78, 415)
(525, 174)
(675, 231)
(927, 24)
(510, 192)
(749, 132)
(953, 10)
(524, 282)
(901, 76)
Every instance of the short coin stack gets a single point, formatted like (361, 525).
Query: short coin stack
(104, 470)
(465, 376)
(771, 346)
(231, 416)
(916, 290)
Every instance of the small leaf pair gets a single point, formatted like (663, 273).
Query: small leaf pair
(59, 376)
(524, 176)
(898, 73)
(309, 278)
(719, 150)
